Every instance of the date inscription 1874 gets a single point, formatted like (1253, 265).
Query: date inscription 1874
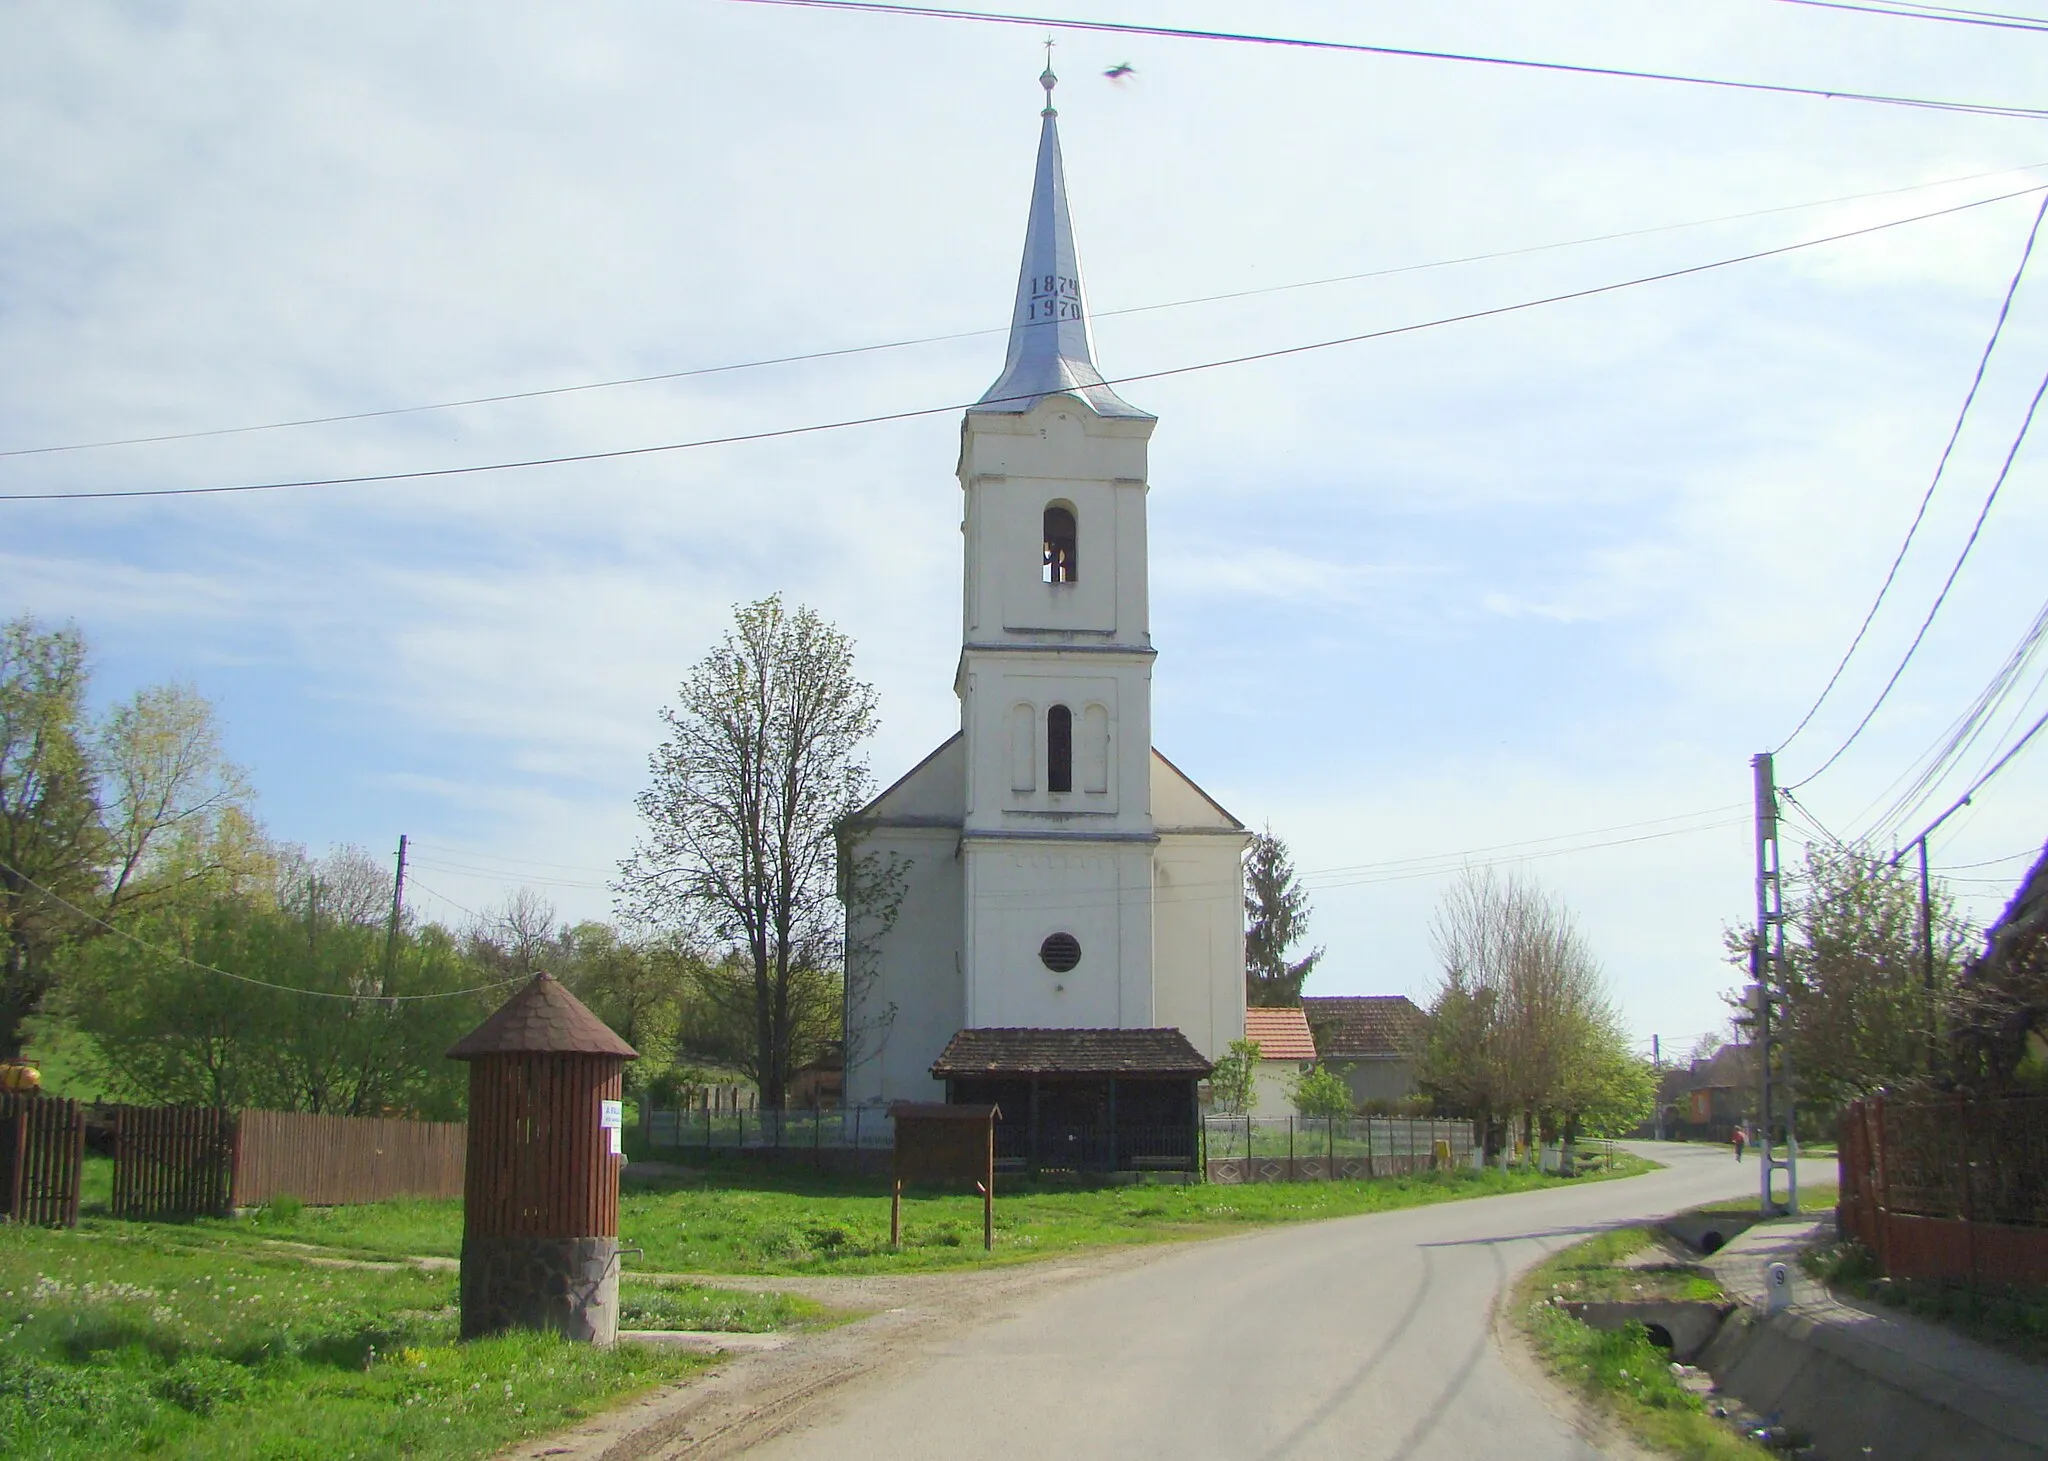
(1054, 297)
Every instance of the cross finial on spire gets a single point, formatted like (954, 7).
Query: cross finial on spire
(1048, 80)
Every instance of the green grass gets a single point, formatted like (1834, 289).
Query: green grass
(1620, 1369)
(118, 1344)
(2012, 1319)
(1588, 1271)
(789, 1220)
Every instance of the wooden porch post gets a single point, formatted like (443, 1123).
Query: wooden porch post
(1034, 1128)
(1115, 1156)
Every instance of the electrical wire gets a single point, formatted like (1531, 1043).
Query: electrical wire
(1940, 466)
(1980, 783)
(1928, 770)
(881, 418)
(1104, 27)
(176, 957)
(1942, 597)
(1992, 19)
(843, 351)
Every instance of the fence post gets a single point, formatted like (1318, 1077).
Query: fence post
(1330, 1155)
(1969, 1194)
(17, 1178)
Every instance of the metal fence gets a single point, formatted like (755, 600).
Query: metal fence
(1947, 1187)
(1315, 1149)
(794, 1130)
(42, 1151)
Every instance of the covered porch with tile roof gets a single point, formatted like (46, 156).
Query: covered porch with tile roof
(1082, 1101)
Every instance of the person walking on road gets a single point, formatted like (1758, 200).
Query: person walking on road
(1741, 1140)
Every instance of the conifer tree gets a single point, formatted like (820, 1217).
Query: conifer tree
(1276, 913)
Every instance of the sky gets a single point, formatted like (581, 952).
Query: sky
(1539, 583)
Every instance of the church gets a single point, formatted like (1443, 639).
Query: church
(1046, 913)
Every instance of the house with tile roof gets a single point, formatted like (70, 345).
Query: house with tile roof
(1287, 1050)
(1059, 889)
(1374, 1041)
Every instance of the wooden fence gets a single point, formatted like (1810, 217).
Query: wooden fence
(173, 1161)
(42, 1151)
(330, 1160)
(1945, 1187)
(189, 1161)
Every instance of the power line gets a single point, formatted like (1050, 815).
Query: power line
(1978, 785)
(1947, 14)
(1941, 466)
(1932, 766)
(923, 12)
(1942, 597)
(176, 957)
(881, 418)
(940, 339)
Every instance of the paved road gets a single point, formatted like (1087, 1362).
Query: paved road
(1364, 1338)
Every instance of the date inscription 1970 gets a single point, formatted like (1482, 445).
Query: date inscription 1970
(1054, 297)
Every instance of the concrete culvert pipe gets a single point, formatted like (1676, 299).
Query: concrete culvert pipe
(1658, 1335)
(1711, 1241)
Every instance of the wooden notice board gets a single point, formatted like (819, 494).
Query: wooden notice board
(939, 1145)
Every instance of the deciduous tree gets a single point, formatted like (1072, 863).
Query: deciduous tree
(762, 762)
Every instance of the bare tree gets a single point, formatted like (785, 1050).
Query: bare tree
(1521, 1020)
(761, 764)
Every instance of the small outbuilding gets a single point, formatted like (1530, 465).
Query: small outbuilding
(1081, 1100)
(1286, 1051)
(540, 1203)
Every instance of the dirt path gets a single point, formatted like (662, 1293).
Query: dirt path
(751, 1398)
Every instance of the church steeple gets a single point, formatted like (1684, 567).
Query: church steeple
(1051, 349)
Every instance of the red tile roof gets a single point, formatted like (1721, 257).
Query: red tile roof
(1069, 1052)
(1362, 1026)
(542, 1018)
(1280, 1033)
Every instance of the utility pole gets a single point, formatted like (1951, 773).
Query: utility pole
(1927, 953)
(1767, 969)
(1657, 1080)
(397, 909)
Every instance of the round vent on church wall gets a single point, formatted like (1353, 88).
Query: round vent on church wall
(1060, 952)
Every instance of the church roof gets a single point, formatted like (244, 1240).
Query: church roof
(1280, 1033)
(1052, 350)
(542, 1018)
(1361, 1026)
(1069, 1052)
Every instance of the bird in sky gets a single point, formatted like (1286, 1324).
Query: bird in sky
(1119, 71)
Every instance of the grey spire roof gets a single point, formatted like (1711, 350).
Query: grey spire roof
(1051, 349)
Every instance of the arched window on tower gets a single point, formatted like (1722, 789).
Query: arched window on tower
(1062, 558)
(1059, 749)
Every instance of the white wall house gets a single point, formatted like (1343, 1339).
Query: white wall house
(1050, 868)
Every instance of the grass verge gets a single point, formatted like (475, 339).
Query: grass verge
(133, 1344)
(2011, 1319)
(737, 1218)
(1621, 1371)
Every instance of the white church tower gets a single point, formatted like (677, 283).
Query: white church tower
(1056, 873)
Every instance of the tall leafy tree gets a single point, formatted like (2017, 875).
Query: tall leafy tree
(763, 760)
(51, 843)
(100, 819)
(1276, 910)
(1861, 1013)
